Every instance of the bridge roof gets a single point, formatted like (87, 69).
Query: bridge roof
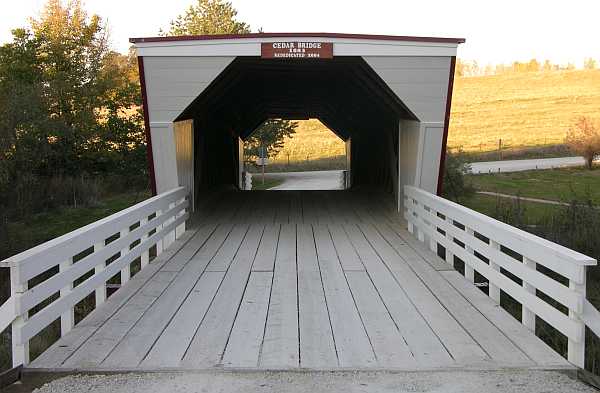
(374, 37)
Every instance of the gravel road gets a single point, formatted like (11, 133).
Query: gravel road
(310, 180)
(505, 381)
(525, 165)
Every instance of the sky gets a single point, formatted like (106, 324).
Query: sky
(496, 31)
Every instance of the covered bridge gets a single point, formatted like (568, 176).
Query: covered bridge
(378, 276)
(388, 97)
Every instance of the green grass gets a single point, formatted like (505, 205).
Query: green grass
(45, 226)
(257, 183)
(488, 205)
(564, 184)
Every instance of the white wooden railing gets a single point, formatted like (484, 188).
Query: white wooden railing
(52, 268)
(490, 247)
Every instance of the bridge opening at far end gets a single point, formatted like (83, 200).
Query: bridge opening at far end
(284, 154)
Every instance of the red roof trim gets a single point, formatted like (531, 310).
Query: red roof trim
(284, 35)
(440, 184)
(149, 155)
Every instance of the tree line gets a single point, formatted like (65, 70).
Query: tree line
(71, 123)
(466, 68)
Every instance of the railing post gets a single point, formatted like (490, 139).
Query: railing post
(449, 254)
(528, 316)
(494, 291)
(145, 257)
(181, 227)
(576, 348)
(469, 271)
(159, 242)
(169, 237)
(67, 319)
(126, 271)
(20, 349)
(101, 290)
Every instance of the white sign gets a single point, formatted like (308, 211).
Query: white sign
(262, 161)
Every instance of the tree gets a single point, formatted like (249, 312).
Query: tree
(208, 17)
(589, 64)
(583, 138)
(454, 186)
(271, 134)
(68, 104)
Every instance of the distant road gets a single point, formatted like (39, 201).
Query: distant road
(310, 180)
(525, 165)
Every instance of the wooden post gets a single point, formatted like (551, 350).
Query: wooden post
(449, 254)
(20, 348)
(181, 227)
(494, 291)
(168, 238)
(67, 319)
(145, 257)
(100, 292)
(126, 271)
(469, 271)
(527, 315)
(576, 348)
(159, 242)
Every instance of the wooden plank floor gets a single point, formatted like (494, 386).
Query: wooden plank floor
(284, 280)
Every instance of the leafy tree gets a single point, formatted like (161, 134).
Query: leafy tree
(589, 64)
(454, 186)
(208, 17)
(68, 105)
(583, 138)
(271, 134)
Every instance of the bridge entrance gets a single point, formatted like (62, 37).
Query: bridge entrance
(386, 97)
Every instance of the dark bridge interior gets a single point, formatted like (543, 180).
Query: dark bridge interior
(344, 93)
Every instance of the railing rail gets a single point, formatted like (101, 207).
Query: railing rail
(79, 263)
(492, 249)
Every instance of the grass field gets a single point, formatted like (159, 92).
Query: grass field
(529, 109)
(495, 206)
(524, 109)
(313, 147)
(564, 184)
(42, 227)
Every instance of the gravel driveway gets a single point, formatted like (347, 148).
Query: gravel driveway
(521, 381)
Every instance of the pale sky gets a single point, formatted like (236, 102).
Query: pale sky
(496, 31)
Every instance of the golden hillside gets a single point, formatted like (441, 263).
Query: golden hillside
(312, 141)
(524, 109)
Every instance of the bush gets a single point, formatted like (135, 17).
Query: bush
(455, 187)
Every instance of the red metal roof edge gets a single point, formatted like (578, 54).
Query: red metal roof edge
(277, 35)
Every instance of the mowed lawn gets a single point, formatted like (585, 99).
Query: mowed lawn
(524, 109)
(45, 226)
(564, 184)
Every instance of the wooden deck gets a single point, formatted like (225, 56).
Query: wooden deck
(286, 280)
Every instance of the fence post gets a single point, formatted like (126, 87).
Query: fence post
(126, 271)
(469, 271)
(101, 290)
(576, 348)
(449, 254)
(528, 316)
(494, 291)
(20, 349)
(67, 319)
(145, 258)
(159, 242)
(180, 229)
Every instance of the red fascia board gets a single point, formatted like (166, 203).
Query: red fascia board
(149, 155)
(440, 184)
(288, 35)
